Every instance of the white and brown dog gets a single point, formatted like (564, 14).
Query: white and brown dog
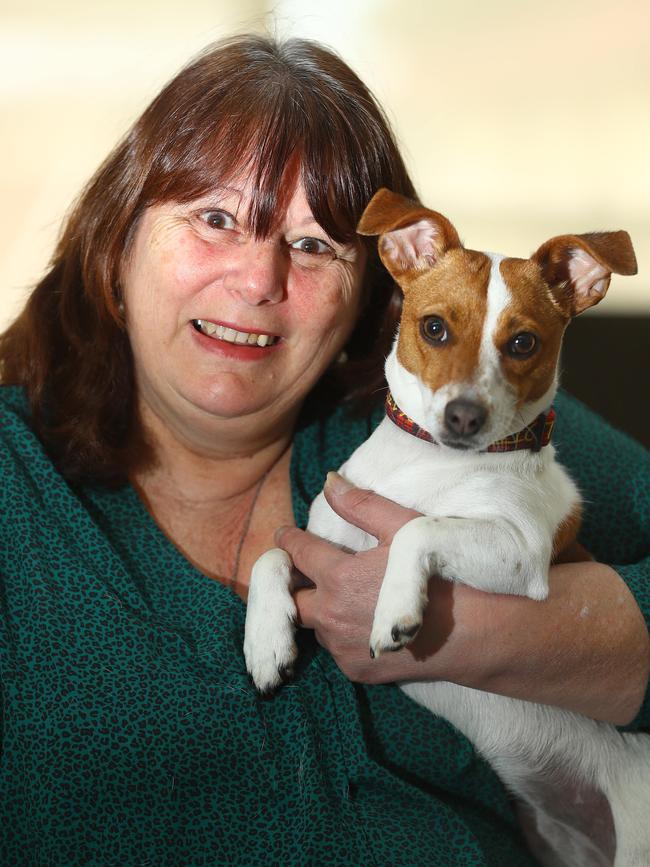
(473, 374)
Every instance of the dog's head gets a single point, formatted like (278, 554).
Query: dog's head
(480, 334)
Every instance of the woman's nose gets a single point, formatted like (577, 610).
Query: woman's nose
(258, 273)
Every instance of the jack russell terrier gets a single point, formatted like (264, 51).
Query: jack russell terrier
(472, 375)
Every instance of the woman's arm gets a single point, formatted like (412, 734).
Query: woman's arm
(585, 648)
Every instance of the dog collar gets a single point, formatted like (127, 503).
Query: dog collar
(534, 436)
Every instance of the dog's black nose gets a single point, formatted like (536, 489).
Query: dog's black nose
(464, 418)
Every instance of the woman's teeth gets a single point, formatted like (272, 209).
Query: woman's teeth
(220, 332)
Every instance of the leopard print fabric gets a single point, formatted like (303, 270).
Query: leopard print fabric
(131, 735)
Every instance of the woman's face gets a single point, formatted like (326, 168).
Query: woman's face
(223, 325)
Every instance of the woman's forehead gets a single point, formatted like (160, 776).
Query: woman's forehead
(262, 194)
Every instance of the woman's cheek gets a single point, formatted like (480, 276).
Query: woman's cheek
(193, 264)
(326, 301)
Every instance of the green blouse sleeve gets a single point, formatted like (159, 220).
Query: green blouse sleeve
(637, 578)
(613, 473)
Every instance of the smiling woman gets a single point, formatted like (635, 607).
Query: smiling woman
(169, 400)
(296, 292)
(274, 120)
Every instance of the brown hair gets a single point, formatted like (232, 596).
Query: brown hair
(247, 104)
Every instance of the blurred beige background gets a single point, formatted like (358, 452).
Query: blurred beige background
(518, 120)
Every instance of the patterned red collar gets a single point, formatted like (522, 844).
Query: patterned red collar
(536, 435)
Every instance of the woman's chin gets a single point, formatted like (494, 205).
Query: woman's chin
(230, 398)
(226, 406)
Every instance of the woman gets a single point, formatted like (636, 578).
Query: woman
(169, 404)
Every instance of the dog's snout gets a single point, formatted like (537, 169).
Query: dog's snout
(464, 417)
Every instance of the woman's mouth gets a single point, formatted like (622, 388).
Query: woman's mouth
(230, 335)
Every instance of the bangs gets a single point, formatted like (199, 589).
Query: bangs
(250, 108)
(273, 124)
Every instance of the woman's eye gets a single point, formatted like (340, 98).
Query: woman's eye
(218, 219)
(313, 247)
(522, 345)
(434, 329)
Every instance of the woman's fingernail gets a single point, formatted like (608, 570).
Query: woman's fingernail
(337, 484)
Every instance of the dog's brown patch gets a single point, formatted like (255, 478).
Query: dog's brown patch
(456, 291)
(533, 308)
(567, 531)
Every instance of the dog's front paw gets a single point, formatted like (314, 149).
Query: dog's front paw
(392, 633)
(270, 651)
(397, 620)
(403, 594)
(269, 646)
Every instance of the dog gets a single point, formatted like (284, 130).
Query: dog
(466, 441)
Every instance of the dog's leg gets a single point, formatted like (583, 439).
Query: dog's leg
(626, 782)
(269, 645)
(488, 554)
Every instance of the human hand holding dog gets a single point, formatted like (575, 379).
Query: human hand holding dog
(341, 604)
(540, 651)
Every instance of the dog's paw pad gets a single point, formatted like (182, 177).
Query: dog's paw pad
(270, 667)
(286, 671)
(390, 639)
(403, 633)
(379, 647)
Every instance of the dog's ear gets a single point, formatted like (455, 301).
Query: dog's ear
(411, 238)
(578, 268)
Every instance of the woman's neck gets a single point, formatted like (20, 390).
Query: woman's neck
(209, 470)
(219, 507)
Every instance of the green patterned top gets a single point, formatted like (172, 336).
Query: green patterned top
(131, 735)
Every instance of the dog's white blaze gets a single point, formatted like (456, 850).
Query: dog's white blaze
(498, 298)
(493, 389)
(490, 386)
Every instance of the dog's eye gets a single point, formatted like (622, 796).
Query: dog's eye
(522, 345)
(434, 329)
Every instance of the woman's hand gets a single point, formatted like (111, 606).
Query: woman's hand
(341, 604)
(584, 648)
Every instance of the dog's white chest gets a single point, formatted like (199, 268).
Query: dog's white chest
(522, 488)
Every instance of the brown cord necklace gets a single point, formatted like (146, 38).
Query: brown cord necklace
(247, 523)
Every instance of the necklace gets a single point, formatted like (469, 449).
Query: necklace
(249, 517)
(246, 527)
